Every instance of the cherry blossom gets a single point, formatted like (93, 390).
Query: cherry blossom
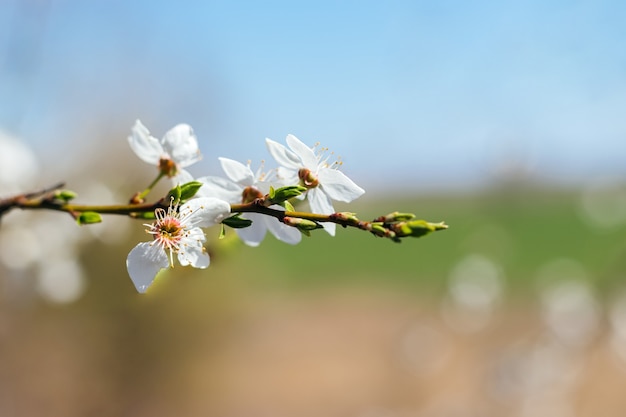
(175, 231)
(300, 164)
(177, 150)
(243, 186)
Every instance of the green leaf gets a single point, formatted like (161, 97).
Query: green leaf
(237, 222)
(175, 194)
(189, 190)
(285, 193)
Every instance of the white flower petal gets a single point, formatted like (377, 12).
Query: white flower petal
(238, 172)
(338, 186)
(253, 235)
(306, 154)
(321, 204)
(182, 145)
(147, 148)
(221, 188)
(283, 155)
(285, 177)
(143, 263)
(195, 236)
(194, 255)
(204, 211)
(282, 232)
(183, 177)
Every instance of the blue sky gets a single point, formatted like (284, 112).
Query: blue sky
(432, 93)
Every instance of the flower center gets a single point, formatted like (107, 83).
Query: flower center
(168, 167)
(307, 178)
(167, 229)
(250, 194)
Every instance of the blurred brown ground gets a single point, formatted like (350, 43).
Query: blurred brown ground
(340, 353)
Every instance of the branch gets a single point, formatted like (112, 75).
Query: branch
(56, 198)
(393, 226)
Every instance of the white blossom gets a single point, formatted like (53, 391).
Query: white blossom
(175, 232)
(177, 150)
(301, 165)
(243, 186)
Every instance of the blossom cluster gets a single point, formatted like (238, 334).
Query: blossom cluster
(178, 230)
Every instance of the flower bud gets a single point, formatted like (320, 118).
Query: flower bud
(379, 230)
(301, 224)
(395, 217)
(65, 195)
(418, 228)
(345, 216)
(88, 217)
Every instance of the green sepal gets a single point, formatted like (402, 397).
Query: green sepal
(396, 217)
(287, 206)
(189, 190)
(277, 196)
(379, 230)
(65, 195)
(237, 222)
(222, 232)
(88, 217)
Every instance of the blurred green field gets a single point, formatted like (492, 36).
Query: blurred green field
(521, 230)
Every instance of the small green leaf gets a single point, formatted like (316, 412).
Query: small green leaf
(88, 217)
(285, 193)
(175, 194)
(189, 190)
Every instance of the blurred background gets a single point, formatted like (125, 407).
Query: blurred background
(505, 120)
